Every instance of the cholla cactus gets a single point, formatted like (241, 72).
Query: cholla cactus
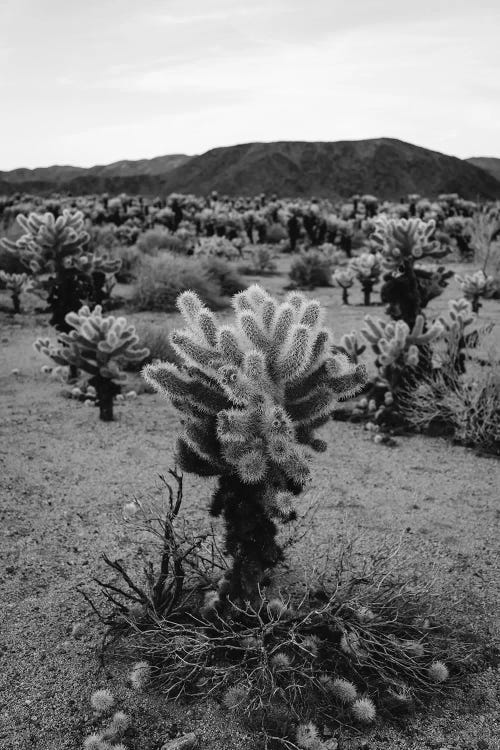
(57, 247)
(477, 285)
(98, 345)
(402, 352)
(345, 280)
(457, 339)
(49, 243)
(251, 395)
(17, 283)
(401, 243)
(405, 241)
(367, 268)
(354, 349)
(395, 343)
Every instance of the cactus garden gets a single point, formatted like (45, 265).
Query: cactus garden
(250, 473)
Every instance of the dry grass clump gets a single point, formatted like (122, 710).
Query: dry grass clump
(160, 280)
(349, 643)
(156, 339)
(464, 407)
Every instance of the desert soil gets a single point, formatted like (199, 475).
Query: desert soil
(65, 477)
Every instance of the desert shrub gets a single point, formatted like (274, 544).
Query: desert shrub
(251, 395)
(260, 260)
(311, 269)
(276, 233)
(350, 639)
(155, 339)
(130, 257)
(464, 408)
(9, 262)
(159, 281)
(153, 241)
(225, 274)
(219, 247)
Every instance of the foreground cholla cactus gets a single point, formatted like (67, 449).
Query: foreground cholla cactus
(98, 345)
(477, 285)
(367, 268)
(17, 283)
(251, 395)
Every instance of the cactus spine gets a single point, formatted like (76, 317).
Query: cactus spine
(251, 395)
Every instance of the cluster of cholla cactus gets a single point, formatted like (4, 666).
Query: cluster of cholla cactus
(402, 242)
(251, 395)
(98, 345)
(16, 283)
(457, 338)
(476, 286)
(54, 251)
(400, 352)
(344, 278)
(367, 267)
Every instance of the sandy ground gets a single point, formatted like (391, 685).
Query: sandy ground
(65, 477)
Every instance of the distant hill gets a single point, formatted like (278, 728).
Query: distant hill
(385, 167)
(488, 163)
(100, 178)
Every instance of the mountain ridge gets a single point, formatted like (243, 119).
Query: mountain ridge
(387, 167)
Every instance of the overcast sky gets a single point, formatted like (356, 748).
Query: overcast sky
(93, 81)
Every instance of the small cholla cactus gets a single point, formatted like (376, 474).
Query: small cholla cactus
(48, 242)
(16, 283)
(395, 344)
(102, 701)
(350, 343)
(344, 279)
(367, 268)
(120, 722)
(94, 742)
(457, 339)
(405, 241)
(251, 395)
(438, 672)
(364, 711)
(477, 285)
(401, 242)
(235, 697)
(307, 737)
(344, 691)
(54, 250)
(98, 345)
(140, 675)
(280, 660)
